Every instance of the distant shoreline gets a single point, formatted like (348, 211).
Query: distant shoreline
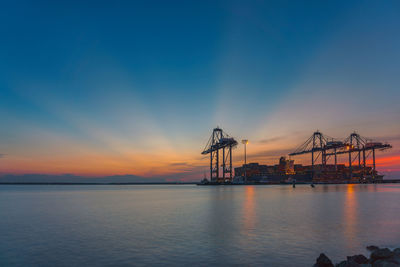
(166, 183)
(189, 183)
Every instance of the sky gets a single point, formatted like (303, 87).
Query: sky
(103, 88)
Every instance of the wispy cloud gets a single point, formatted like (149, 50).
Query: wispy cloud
(180, 164)
(387, 138)
(70, 178)
(272, 153)
(271, 140)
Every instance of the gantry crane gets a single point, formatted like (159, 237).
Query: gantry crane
(219, 140)
(320, 145)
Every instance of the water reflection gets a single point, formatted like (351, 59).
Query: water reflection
(221, 221)
(249, 208)
(350, 216)
(189, 225)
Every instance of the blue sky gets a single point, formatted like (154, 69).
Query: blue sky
(126, 82)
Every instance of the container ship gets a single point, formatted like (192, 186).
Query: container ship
(288, 172)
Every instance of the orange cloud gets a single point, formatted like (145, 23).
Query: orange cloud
(389, 161)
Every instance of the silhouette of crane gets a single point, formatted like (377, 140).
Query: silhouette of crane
(219, 140)
(320, 145)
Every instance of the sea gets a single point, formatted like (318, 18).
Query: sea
(189, 225)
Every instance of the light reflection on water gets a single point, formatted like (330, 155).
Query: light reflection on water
(249, 209)
(350, 216)
(196, 225)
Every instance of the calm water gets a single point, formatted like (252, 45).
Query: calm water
(191, 225)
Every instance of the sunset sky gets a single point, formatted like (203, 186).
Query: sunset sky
(96, 88)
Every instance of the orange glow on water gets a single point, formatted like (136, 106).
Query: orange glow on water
(249, 208)
(350, 214)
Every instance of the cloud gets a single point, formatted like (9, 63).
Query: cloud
(70, 178)
(180, 164)
(272, 153)
(388, 138)
(185, 169)
(271, 140)
(2, 155)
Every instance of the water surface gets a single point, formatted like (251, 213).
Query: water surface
(158, 225)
